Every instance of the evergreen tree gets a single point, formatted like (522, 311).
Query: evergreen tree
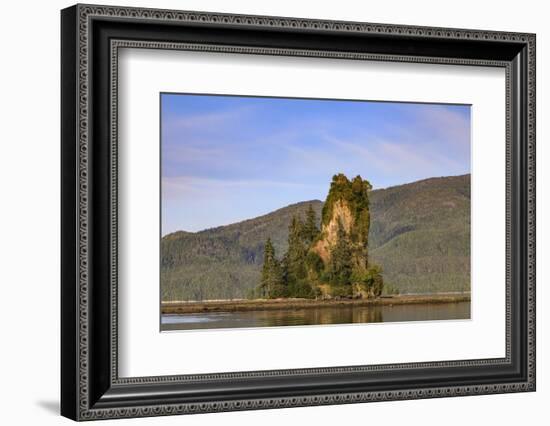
(294, 263)
(310, 231)
(271, 284)
(341, 266)
(371, 281)
(360, 189)
(296, 254)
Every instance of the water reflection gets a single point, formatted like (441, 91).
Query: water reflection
(344, 315)
(317, 316)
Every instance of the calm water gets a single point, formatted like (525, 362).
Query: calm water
(317, 316)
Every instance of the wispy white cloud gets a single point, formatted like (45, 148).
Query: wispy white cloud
(209, 120)
(178, 159)
(180, 186)
(444, 125)
(419, 158)
(385, 158)
(364, 151)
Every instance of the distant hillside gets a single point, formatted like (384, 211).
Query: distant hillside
(419, 234)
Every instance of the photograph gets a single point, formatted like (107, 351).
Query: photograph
(292, 211)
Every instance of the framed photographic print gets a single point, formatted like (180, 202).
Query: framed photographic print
(263, 212)
(296, 245)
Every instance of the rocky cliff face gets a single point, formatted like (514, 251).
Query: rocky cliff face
(345, 215)
(341, 216)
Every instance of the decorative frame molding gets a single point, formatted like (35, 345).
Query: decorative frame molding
(91, 37)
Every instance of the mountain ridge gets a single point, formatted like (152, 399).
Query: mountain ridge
(309, 201)
(241, 222)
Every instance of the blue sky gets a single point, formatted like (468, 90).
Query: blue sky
(229, 158)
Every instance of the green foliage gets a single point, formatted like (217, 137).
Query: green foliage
(370, 280)
(289, 279)
(271, 284)
(356, 195)
(390, 290)
(341, 267)
(338, 291)
(294, 260)
(310, 230)
(314, 262)
(225, 280)
(421, 235)
(301, 289)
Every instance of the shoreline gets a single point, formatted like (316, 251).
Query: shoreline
(241, 305)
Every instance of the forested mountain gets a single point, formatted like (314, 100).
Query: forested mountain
(419, 235)
(223, 262)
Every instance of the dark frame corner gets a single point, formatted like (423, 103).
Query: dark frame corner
(90, 386)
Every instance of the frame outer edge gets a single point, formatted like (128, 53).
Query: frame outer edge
(531, 200)
(83, 13)
(69, 221)
(83, 61)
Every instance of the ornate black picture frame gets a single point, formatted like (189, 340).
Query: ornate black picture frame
(91, 387)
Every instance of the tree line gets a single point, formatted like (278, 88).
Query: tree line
(289, 277)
